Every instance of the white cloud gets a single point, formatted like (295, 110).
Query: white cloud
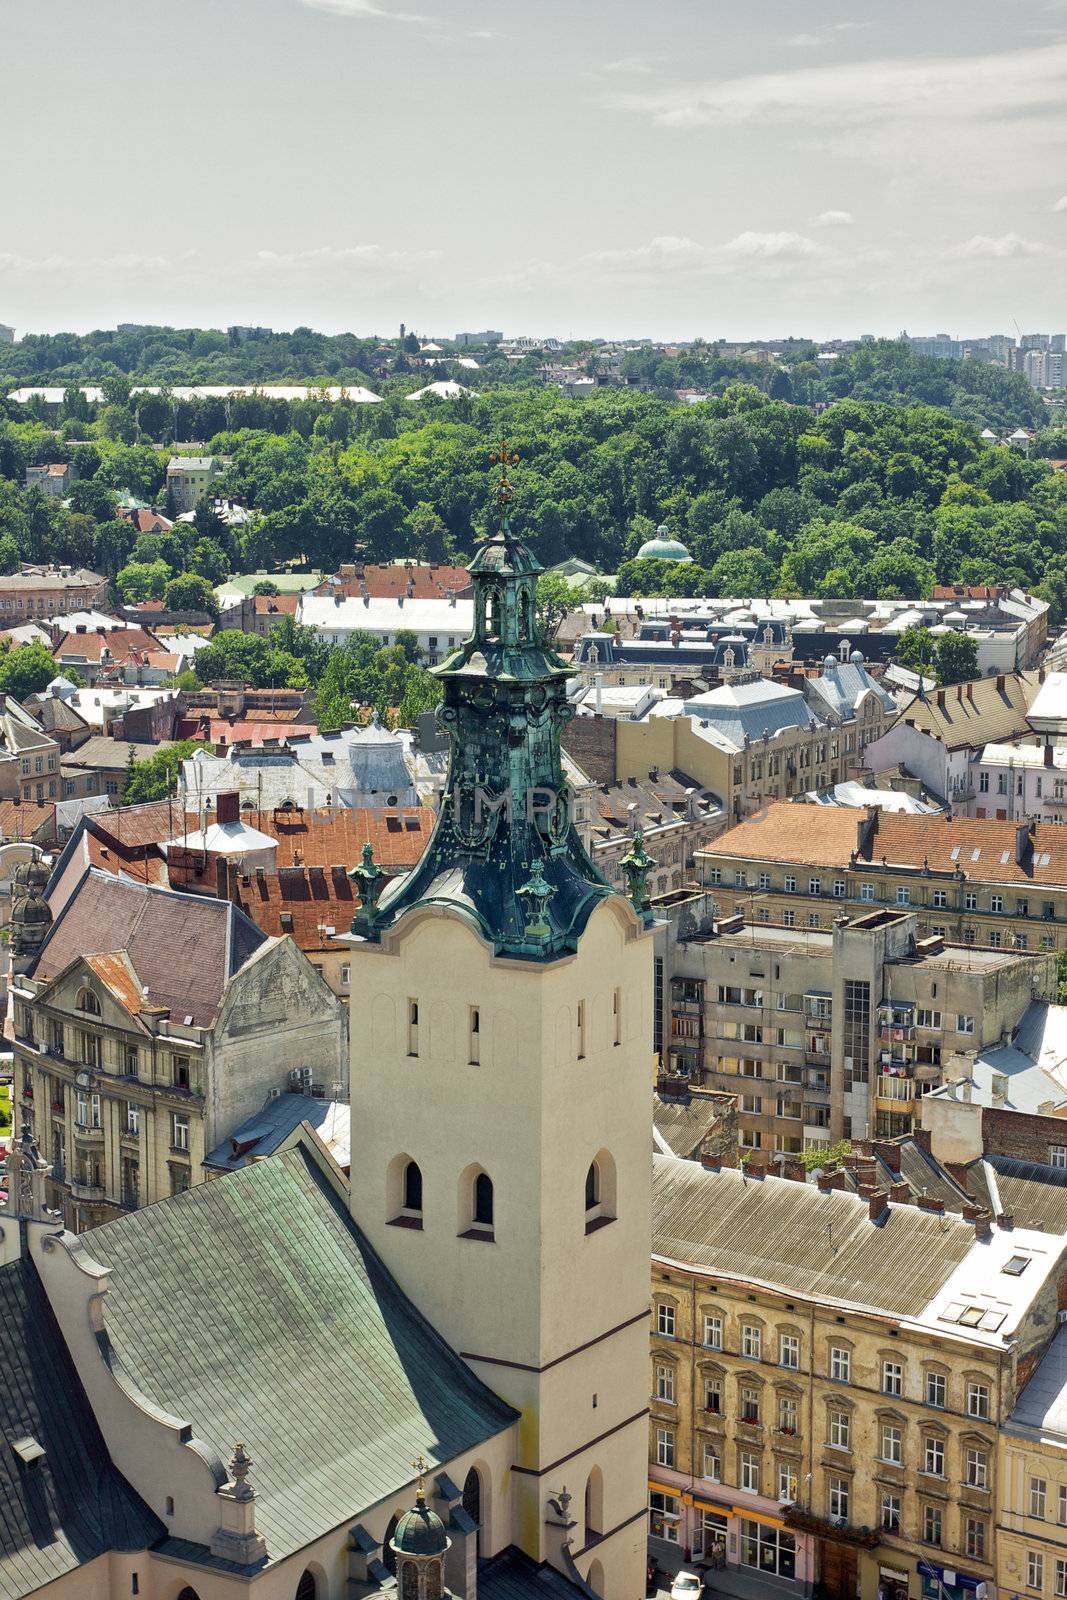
(767, 246)
(1060, 204)
(966, 91)
(627, 66)
(803, 41)
(1008, 246)
(364, 8)
(482, 33)
(834, 219)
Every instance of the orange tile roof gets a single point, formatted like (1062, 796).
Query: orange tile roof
(326, 839)
(119, 641)
(129, 826)
(301, 902)
(116, 972)
(981, 848)
(382, 582)
(24, 819)
(276, 605)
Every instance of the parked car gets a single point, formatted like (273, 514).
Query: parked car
(687, 1586)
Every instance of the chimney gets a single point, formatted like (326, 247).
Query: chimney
(1006, 1219)
(793, 1167)
(452, 598)
(1023, 841)
(928, 1202)
(940, 699)
(1000, 683)
(598, 690)
(899, 1194)
(878, 1206)
(889, 1153)
(924, 1139)
(983, 1225)
(1048, 755)
(228, 806)
(970, 692)
(756, 1163)
(830, 1180)
(970, 1211)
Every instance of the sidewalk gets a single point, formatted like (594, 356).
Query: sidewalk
(737, 1583)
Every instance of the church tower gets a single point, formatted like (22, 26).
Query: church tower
(501, 1095)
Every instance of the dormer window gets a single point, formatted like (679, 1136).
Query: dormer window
(88, 1002)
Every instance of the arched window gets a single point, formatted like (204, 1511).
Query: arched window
(87, 1001)
(413, 1187)
(524, 615)
(483, 1201)
(596, 1577)
(388, 1553)
(494, 615)
(403, 1192)
(594, 1504)
(188, 1593)
(600, 1191)
(472, 1503)
(307, 1588)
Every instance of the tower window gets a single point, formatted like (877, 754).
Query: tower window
(616, 1005)
(592, 1187)
(474, 1051)
(581, 1030)
(413, 1027)
(600, 1190)
(413, 1187)
(483, 1201)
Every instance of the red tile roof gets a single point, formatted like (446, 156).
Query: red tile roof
(301, 902)
(276, 605)
(381, 582)
(24, 819)
(119, 641)
(326, 839)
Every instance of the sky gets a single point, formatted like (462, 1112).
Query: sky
(615, 168)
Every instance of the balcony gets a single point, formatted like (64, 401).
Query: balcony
(87, 1135)
(87, 1191)
(896, 1032)
(833, 1528)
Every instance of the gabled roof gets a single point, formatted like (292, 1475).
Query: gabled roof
(260, 1284)
(72, 1505)
(184, 948)
(398, 834)
(969, 715)
(266, 1130)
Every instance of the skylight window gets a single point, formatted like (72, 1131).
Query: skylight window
(954, 853)
(1016, 1266)
(1005, 857)
(976, 853)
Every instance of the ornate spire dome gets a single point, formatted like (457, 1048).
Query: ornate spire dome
(504, 853)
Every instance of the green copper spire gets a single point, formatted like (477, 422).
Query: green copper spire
(504, 853)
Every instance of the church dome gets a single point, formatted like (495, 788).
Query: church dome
(420, 1532)
(663, 548)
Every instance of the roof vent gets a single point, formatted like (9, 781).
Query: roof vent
(29, 1451)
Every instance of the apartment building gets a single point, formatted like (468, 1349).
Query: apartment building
(189, 479)
(146, 1025)
(1032, 1472)
(754, 741)
(828, 1376)
(977, 881)
(836, 1034)
(29, 757)
(46, 591)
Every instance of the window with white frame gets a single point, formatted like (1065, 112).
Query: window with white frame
(964, 1023)
(932, 1524)
(1061, 1577)
(837, 1497)
(179, 1132)
(665, 1320)
(749, 1472)
(978, 1399)
(665, 1382)
(891, 1513)
(1038, 1495)
(1057, 1155)
(840, 1429)
(934, 1456)
(892, 1377)
(935, 1389)
(788, 1350)
(1061, 1500)
(712, 1331)
(976, 1468)
(840, 1364)
(712, 1464)
(892, 1445)
(1035, 1570)
(866, 891)
(787, 1483)
(751, 1341)
(787, 1413)
(974, 1537)
(665, 1447)
(713, 1396)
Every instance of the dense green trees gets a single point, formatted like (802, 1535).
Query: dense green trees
(27, 669)
(156, 776)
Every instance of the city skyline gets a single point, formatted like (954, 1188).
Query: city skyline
(680, 173)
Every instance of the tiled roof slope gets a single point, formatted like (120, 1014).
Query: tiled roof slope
(774, 1231)
(300, 901)
(261, 1284)
(329, 839)
(183, 947)
(825, 836)
(972, 714)
(512, 1575)
(73, 1506)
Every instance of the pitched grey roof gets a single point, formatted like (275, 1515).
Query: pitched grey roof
(259, 1285)
(746, 710)
(775, 1231)
(73, 1505)
(262, 1133)
(840, 688)
(512, 1575)
(1036, 1195)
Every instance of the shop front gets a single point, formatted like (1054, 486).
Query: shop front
(949, 1583)
(689, 1521)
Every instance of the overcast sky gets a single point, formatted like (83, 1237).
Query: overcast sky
(617, 167)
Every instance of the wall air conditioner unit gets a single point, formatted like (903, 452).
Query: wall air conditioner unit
(274, 1094)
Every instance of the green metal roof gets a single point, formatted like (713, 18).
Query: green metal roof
(254, 1308)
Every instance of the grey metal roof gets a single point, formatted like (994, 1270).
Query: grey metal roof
(792, 1236)
(259, 1285)
(839, 690)
(263, 1132)
(73, 1505)
(512, 1575)
(1042, 1402)
(747, 710)
(683, 1125)
(1036, 1195)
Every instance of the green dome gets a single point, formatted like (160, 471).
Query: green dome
(420, 1533)
(663, 548)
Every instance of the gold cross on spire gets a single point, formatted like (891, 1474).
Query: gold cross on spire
(421, 1467)
(506, 457)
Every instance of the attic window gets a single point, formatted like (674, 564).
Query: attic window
(954, 853)
(976, 853)
(393, 824)
(327, 757)
(1016, 1266)
(1044, 859)
(412, 824)
(29, 1451)
(1005, 857)
(287, 920)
